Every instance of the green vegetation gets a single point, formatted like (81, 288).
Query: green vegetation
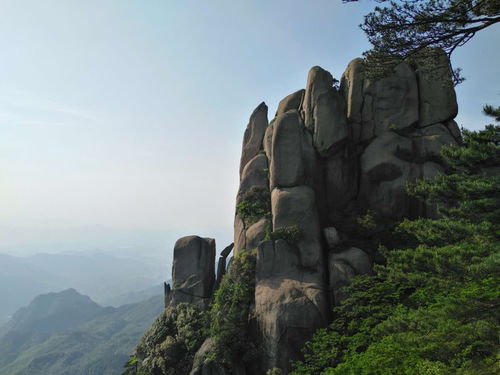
(367, 221)
(230, 309)
(291, 234)
(97, 346)
(434, 307)
(254, 205)
(168, 347)
(406, 29)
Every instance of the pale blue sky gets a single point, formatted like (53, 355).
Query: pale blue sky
(121, 121)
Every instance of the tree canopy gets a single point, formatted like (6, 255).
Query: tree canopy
(406, 28)
(434, 307)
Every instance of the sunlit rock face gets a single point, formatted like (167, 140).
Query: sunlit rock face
(337, 159)
(321, 184)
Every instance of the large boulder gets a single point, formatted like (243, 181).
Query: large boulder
(193, 273)
(254, 134)
(438, 101)
(296, 207)
(319, 81)
(354, 257)
(255, 173)
(394, 100)
(256, 233)
(287, 167)
(287, 313)
(351, 86)
(292, 101)
(330, 121)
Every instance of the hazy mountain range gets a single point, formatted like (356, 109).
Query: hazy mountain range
(67, 333)
(107, 279)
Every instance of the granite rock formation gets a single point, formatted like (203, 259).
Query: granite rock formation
(320, 186)
(193, 274)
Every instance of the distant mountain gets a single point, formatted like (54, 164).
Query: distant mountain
(133, 296)
(54, 312)
(99, 275)
(67, 333)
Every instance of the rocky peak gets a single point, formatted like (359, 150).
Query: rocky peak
(320, 186)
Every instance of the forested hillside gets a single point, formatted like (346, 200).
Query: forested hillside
(434, 306)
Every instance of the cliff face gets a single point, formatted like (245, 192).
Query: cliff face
(320, 186)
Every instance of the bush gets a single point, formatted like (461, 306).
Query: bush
(291, 234)
(254, 205)
(168, 347)
(367, 221)
(230, 309)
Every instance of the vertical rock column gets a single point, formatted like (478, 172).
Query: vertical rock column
(193, 274)
(290, 297)
(253, 179)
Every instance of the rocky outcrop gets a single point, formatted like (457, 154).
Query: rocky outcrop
(339, 159)
(320, 187)
(193, 273)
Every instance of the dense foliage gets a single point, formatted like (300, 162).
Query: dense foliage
(254, 204)
(168, 347)
(230, 309)
(291, 234)
(434, 307)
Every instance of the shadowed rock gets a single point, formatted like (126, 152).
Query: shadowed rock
(193, 274)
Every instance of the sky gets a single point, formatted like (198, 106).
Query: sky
(121, 121)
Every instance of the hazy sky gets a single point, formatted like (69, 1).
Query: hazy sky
(121, 121)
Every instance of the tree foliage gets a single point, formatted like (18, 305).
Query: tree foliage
(405, 29)
(230, 309)
(168, 347)
(434, 307)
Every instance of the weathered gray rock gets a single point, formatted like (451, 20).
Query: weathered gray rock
(340, 275)
(296, 206)
(341, 177)
(254, 134)
(277, 260)
(356, 258)
(385, 168)
(395, 100)
(333, 156)
(255, 173)
(239, 234)
(193, 273)
(203, 365)
(310, 162)
(287, 313)
(438, 101)
(255, 233)
(268, 139)
(351, 86)
(330, 121)
(454, 130)
(292, 101)
(429, 141)
(332, 237)
(319, 81)
(287, 167)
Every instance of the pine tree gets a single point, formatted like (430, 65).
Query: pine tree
(434, 308)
